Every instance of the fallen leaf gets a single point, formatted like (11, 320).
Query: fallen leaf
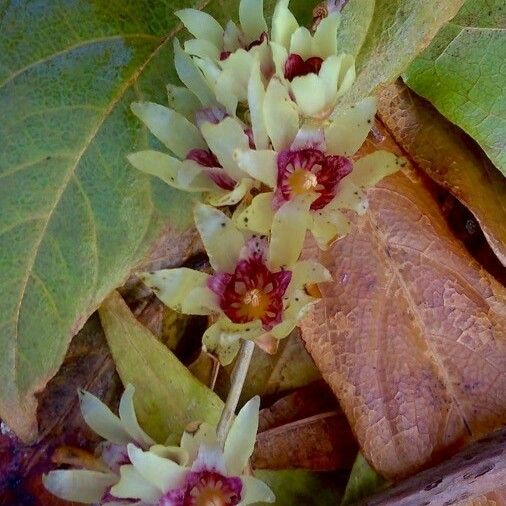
(443, 152)
(463, 75)
(303, 488)
(411, 336)
(398, 31)
(363, 481)
(168, 396)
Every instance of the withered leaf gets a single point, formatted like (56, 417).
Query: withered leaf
(411, 336)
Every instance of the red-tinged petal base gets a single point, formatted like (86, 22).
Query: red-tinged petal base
(258, 42)
(309, 171)
(252, 292)
(212, 168)
(295, 66)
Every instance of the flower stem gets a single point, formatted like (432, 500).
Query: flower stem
(237, 382)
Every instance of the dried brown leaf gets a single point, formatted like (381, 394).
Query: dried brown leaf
(411, 336)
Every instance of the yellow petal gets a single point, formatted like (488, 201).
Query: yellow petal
(256, 491)
(170, 127)
(223, 140)
(251, 16)
(307, 272)
(191, 441)
(133, 484)
(129, 418)
(329, 76)
(219, 199)
(328, 226)
(349, 128)
(281, 115)
(259, 164)
(298, 306)
(182, 100)
(325, 37)
(241, 438)
(284, 24)
(222, 240)
(370, 169)
(349, 196)
(202, 48)
(309, 93)
(288, 231)
(192, 77)
(201, 25)
(256, 97)
(279, 55)
(174, 286)
(258, 216)
(346, 74)
(186, 176)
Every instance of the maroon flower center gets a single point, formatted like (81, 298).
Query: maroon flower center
(295, 66)
(309, 171)
(252, 292)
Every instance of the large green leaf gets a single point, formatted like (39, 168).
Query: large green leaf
(463, 74)
(389, 40)
(74, 216)
(167, 396)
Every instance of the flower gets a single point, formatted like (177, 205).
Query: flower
(225, 56)
(92, 486)
(309, 65)
(206, 475)
(312, 161)
(258, 290)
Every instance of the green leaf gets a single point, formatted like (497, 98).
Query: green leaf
(167, 395)
(363, 482)
(463, 74)
(300, 487)
(397, 32)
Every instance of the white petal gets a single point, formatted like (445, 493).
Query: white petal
(279, 55)
(329, 76)
(284, 24)
(210, 457)
(258, 216)
(170, 127)
(202, 49)
(129, 418)
(349, 128)
(223, 139)
(175, 453)
(256, 491)
(309, 93)
(162, 473)
(201, 25)
(222, 240)
(182, 100)
(370, 169)
(191, 441)
(222, 339)
(186, 176)
(233, 197)
(191, 76)
(325, 37)
(102, 420)
(256, 97)
(281, 116)
(133, 485)
(328, 226)
(346, 74)
(173, 286)
(241, 438)
(251, 16)
(78, 485)
(301, 43)
(259, 164)
(231, 38)
(288, 231)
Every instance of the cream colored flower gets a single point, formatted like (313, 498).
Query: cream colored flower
(258, 288)
(312, 160)
(205, 475)
(310, 65)
(92, 487)
(225, 56)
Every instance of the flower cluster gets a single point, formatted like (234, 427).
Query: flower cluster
(257, 128)
(136, 471)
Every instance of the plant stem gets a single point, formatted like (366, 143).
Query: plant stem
(237, 382)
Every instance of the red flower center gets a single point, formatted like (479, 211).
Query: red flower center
(309, 171)
(252, 292)
(295, 66)
(208, 488)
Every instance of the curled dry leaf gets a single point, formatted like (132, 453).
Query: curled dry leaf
(411, 334)
(443, 152)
